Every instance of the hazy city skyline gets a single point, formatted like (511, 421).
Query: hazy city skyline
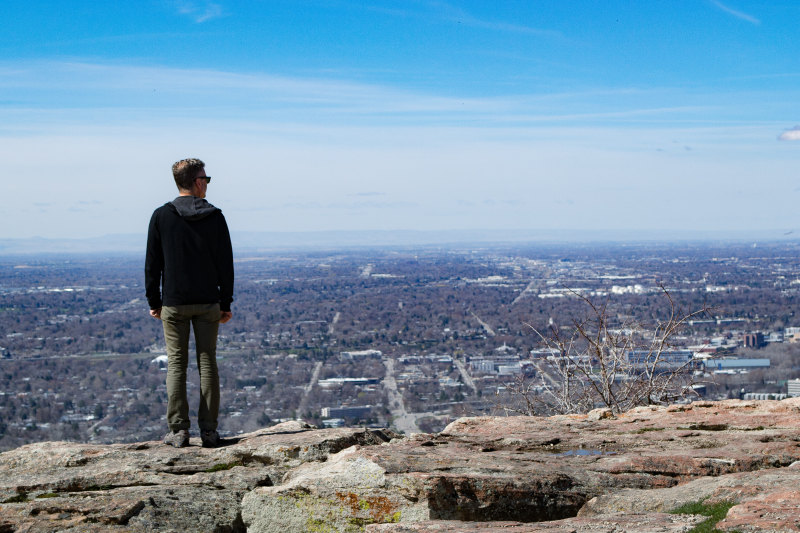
(418, 115)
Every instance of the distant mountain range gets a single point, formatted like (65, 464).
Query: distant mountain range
(266, 241)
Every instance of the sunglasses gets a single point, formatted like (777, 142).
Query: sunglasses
(207, 178)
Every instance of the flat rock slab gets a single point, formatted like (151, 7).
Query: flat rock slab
(58, 486)
(773, 511)
(529, 469)
(680, 441)
(765, 500)
(613, 523)
(265, 456)
(565, 473)
(129, 509)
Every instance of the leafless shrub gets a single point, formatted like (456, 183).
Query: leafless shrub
(600, 364)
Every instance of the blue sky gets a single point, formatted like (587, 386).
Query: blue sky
(420, 115)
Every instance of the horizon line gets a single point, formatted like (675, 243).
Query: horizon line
(306, 240)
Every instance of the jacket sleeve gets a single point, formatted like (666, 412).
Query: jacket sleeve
(153, 264)
(224, 258)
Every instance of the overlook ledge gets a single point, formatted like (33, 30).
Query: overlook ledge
(575, 473)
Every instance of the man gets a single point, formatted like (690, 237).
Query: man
(189, 281)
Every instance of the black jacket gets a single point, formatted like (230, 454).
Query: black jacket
(189, 257)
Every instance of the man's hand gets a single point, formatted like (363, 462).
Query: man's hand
(156, 313)
(224, 316)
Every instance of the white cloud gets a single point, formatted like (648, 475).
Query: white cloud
(199, 11)
(292, 177)
(459, 16)
(117, 94)
(738, 14)
(336, 154)
(151, 87)
(449, 13)
(790, 135)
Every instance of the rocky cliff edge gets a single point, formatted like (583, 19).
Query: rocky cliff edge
(571, 473)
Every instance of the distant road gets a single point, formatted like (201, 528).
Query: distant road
(484, 325)
(545, 373)
(124, 307)
(465, 375)
(307, 390)
(367, 270)
(332, 325)
(528, 289)
(403, 420)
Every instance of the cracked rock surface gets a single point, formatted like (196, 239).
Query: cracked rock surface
(62, 486)
(589, 472)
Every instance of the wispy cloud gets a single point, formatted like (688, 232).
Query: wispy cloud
(199, 11)
(159, 87)
(792, 134)
(52, 91)
(736, 13)
(458, 15)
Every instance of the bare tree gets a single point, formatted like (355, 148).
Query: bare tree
(596, 363)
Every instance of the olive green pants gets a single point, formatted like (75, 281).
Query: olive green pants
(204, 319)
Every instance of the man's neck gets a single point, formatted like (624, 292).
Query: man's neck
(196, 192)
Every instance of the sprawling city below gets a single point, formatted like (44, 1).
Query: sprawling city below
(409, 338)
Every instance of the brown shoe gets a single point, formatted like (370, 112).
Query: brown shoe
(179, 439)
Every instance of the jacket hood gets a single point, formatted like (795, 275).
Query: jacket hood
(192, 207)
